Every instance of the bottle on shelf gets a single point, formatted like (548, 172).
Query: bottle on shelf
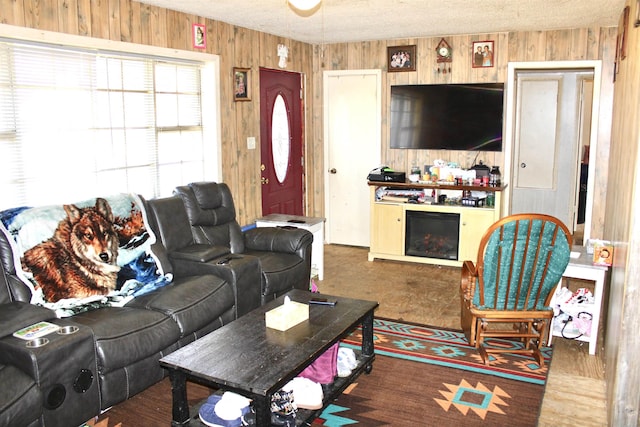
(495, 177)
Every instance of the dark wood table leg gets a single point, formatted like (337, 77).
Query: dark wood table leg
(367, 338)
(263, 410)
(180, 411)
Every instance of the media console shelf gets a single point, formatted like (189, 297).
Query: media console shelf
(389, 225)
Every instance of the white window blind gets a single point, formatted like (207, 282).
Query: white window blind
(76, 124)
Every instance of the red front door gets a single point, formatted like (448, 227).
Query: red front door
(281, 142)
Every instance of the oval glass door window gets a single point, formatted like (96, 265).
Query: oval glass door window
(280, 141)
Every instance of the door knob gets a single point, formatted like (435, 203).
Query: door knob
(523, 165)
(264, 180)
(332, 170)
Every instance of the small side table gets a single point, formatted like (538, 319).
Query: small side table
(582, 268)
(313, 224)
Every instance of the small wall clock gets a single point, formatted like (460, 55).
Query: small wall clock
(443, 56)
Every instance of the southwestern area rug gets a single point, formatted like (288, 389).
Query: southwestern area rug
(432, 377)
(422, 376)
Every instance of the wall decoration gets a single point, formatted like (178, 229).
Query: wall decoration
(401, 58)
(483, 54)
(443, 56)
(198, 34)
(241, 84)
(283, 53)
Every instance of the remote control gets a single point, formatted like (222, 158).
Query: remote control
(322, 301)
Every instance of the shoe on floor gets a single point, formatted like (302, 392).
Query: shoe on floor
(226, 410)
(307, 394)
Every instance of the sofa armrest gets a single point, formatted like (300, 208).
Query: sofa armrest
(199, 253)
(242, 272)
(286, 239)
(17, 315)
(468, 277)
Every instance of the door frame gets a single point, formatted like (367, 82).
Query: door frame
(510, 113)
(376, 145)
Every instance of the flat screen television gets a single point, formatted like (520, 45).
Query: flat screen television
(447, 116)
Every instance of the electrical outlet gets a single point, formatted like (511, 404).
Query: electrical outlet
(251, 142)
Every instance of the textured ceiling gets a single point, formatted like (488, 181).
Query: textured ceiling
(360, 20)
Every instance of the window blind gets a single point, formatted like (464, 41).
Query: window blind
(75, 124)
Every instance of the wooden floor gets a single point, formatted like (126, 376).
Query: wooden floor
(575, 392)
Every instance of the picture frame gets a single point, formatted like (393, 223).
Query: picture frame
(483, 54)
(401, 58)
(199, 36)
(241, 84)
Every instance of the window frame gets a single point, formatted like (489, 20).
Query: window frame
(210, 79)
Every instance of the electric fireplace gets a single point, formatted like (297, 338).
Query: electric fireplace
(432, 234)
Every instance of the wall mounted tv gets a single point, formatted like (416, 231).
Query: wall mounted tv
(447, 116)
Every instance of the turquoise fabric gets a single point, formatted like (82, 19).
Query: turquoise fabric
(500, 272)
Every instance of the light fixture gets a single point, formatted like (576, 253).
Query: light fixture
(304, 7)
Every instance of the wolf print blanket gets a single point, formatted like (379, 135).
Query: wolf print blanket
(81, 256)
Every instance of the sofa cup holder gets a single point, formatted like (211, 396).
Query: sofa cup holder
(67, 330)
(37, 342)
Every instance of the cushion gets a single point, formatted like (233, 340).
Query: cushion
(499, 270)
(193, 302)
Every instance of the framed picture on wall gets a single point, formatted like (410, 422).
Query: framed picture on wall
(483, 55)
(241, 84)
(198, 35)
(401, 58)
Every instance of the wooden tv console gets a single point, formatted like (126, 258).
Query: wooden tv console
(388, 222)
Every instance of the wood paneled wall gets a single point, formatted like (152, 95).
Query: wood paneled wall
(622, 345)
(562, 45)
(130, 21)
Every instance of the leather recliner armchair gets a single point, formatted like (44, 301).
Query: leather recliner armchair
(284, 253)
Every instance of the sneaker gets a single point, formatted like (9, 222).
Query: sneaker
(282, 403)
(307, 394)
(283, 420)
(581, 296)
(226, 410)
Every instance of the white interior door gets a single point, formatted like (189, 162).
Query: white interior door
(352, 135)
(547, 130)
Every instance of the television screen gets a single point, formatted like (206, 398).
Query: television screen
(447, 116)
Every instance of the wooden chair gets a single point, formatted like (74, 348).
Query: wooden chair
(521, 260)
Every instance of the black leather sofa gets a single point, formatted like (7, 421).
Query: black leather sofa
(114, 353)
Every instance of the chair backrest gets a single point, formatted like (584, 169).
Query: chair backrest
(212, 214)
(168, 219)
(521, 259)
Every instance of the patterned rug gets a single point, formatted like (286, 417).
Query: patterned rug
(430, 376)
(422, 376)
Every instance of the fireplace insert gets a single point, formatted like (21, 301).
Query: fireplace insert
(432, 234)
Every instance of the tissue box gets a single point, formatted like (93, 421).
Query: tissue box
(287, 315)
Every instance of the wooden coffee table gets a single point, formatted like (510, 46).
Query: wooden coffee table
(248, 358)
